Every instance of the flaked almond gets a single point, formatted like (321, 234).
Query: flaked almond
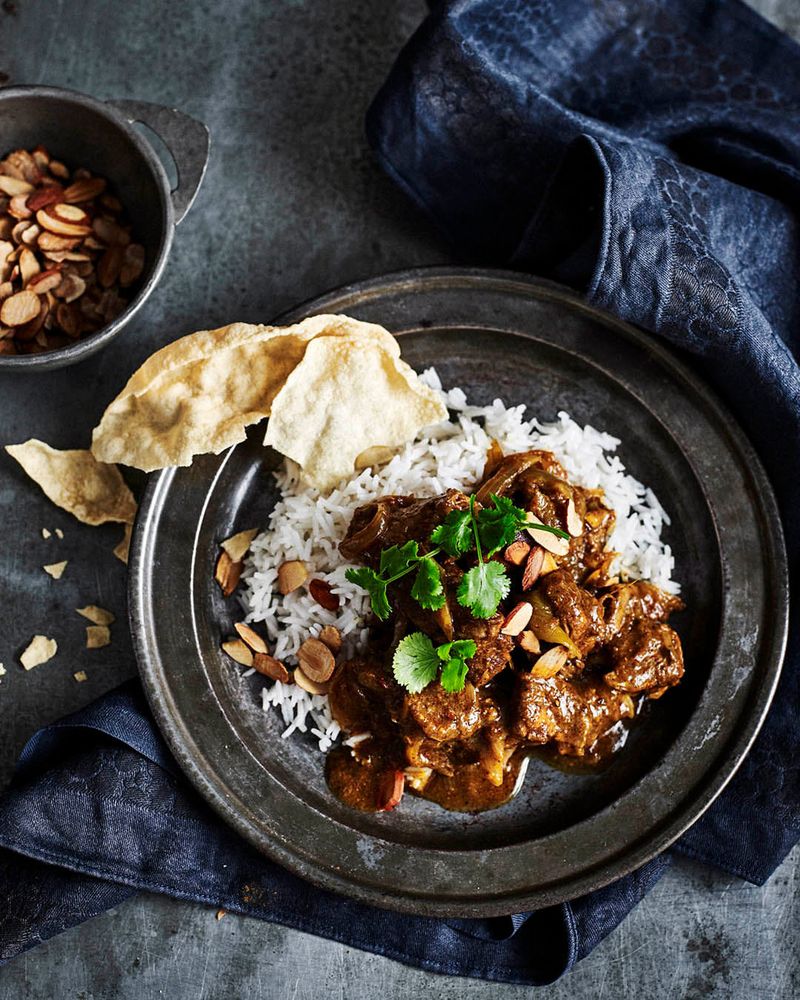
(19, 228)
(81, 676)
(305, 682)
(70, 287)
(48, 242)
(574, 520)
(332, 637)
(109, 267)
(97, 636)
(96, 615)
(291, 575)
(56, 570)
(20, 308)
(251, 637)
(517, 552)
(270, 667)
(84, 189)
(239, 651)
(20, 163)
(30, 234)
(44, 197)
(45, 281)
(227, 573)
(39, 650)
(110, 232)
(18, 207)
(41, 157)
(316, 660)
(553, 543)
(516, 620)
(238, 545)
(529, 641)
(69, 319)
(13, 186)
(132, 264)
(322, 593)
(390, 790)
(57, 168)
(28, 265)
(371, 458)
(549, 663)
(64, 220)
(533, 567)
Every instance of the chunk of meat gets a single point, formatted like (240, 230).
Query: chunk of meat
(491, 656)
(445, 715)
(579, 613)
(625, 603)
(646, 658)
(575, 713)
(395, 520)
(363, 696)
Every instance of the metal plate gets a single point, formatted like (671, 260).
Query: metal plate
(495, 334)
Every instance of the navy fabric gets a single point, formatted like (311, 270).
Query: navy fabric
(646, 152)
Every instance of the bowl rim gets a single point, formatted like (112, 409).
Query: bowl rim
(83, 348)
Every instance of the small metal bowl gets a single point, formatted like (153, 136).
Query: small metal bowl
(100, 135)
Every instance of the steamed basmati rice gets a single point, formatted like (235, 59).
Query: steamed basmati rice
(308, 526)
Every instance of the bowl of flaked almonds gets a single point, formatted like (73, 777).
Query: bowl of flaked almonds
(87, 216)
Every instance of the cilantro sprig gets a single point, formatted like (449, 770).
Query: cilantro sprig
(417, 661)
(482, 587)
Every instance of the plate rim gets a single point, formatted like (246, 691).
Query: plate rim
(713, 781)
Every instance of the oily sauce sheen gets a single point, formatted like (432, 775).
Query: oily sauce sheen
(613, 649)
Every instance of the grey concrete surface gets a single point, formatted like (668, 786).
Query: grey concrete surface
(292, 204)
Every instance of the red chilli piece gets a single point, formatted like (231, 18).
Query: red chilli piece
(322, 593)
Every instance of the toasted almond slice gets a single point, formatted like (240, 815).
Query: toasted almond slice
(53, 243)
(56, 570)
(301, 680)
(547, 540)
(39, 650)
(45, 281)
(332, 637)
(132, 264)
(28, 265)
(517, 552)
(110, 232)
(109, 267)
(80, 676)
(574, 520)
(238, 545)
(316, 660)
(390, 790)
(6, 289)
(123, 546)
(20, 163)
(46, 533)
(227, 573)
(98, 616)
(251, 637)
(533, 567)
(52, 219)
(97, 636)
(69, 319)
(18, 207)
(84, 189)
(529, 641)
(13, 186)
(30, 234)
(322, 593)
(20, 228)
(20, 308)
(239, 651)
(549, 663)
(270, 667)
(59, 533)
(45, 196)
(70, 287)
(516, 620)
(57, 168)
(291, 575)
(373, 457)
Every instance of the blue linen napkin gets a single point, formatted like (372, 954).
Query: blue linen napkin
(647, 153)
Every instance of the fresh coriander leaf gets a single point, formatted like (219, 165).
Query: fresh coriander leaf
(454, 673)
(415, 663)
(499, 524)
(462, 649)
(428, 591)
(397, 558)
(502, 505)
(367, 578)
(482, 588)
(454, 534)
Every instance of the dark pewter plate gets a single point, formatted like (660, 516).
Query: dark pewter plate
(566, 833)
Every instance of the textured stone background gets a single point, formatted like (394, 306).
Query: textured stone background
(292, 204)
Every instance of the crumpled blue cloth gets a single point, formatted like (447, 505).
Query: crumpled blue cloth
(646, 152)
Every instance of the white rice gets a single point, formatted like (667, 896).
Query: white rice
(308, 526)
